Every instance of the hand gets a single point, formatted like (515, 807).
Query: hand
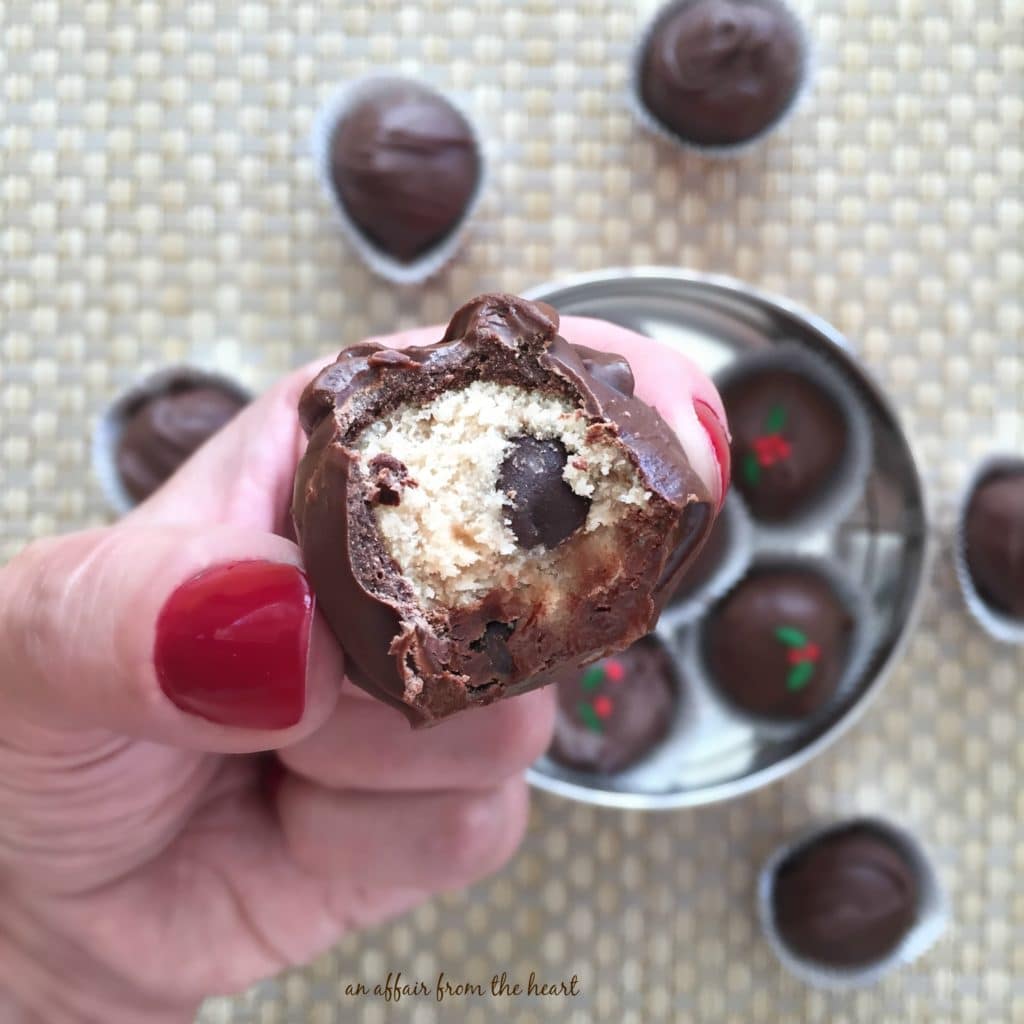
(142, 867)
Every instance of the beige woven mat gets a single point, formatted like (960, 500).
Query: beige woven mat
(156, 204)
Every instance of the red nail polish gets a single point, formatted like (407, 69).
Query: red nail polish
(232, 642)
(719, 435)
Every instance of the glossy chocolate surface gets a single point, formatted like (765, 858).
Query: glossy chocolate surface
(707, 563)
(405, 166)
(994, 540)
(847, 899)
(777, 643)
(789, 437)
(164, 430)
(718, 72)
(612, 713)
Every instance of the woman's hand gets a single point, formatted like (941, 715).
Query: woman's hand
(141, 868)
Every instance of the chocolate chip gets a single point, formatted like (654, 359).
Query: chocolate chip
(544, 508)
(390, 477)
(494, 643)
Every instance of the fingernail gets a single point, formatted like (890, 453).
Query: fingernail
(719, 435)
(232, 643)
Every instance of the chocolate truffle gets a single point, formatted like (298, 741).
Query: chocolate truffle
(479, 514)
(994, 540)
(719, 72)
(161, 431)
(405, 166)
(777, 644)
(789, 438)
(846, 899)
(615, 711)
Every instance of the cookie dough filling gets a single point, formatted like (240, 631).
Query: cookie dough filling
(493, 482)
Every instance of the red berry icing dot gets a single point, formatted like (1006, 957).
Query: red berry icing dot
(770, 447)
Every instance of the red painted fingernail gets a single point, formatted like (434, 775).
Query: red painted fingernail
(232, 642)
(719, 434)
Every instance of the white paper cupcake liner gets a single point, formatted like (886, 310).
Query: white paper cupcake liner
(693, 660)
(324, 126)
(107, 432)
(733, 565)
(847, 487)
(719, 150)
(997, 624)
(932, 911)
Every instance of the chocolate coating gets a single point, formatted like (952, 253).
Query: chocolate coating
(788, 441)
(994, 540)
(612, 713)
(405, 166)
(846, 899)
(544, 509)
(161, 432)
(707, 563)
(434, 661)
(777, 643)
(718, 72)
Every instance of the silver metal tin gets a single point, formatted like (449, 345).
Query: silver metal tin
(881, 544)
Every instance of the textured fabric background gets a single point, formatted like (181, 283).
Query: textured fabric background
(157, 205)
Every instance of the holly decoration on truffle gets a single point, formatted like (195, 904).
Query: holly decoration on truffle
(802, 656)
(770, 447)
(598, 709)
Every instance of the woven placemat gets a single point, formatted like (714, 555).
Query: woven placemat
(157, 205)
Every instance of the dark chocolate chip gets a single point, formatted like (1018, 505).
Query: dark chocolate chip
(545, 509)
(494, 643)
(390, 477)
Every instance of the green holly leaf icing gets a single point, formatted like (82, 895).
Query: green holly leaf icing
(589, 716)
(799, 676)
(593, 677)
(790, 636)
(751, 469)
(775, 420)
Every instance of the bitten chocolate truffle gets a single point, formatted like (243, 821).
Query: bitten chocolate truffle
(163, 430)
(615, 711)
(405, 166)
(994, 540)
(789, 439)
(719, 72)
(777, 644)
(846, 899)
(480, 513)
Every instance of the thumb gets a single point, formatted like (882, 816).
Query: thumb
(204, 638)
